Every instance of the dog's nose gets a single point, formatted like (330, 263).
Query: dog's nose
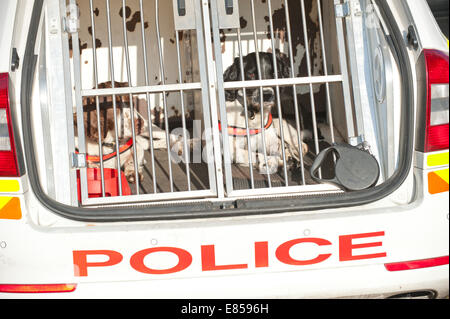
(268, 95)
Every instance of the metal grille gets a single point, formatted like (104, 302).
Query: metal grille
(298, 84)
(132, 94)
(155, 73)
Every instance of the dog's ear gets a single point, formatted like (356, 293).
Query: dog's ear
(232, 74)
(284, 70)
(230, 95)
(233, 71)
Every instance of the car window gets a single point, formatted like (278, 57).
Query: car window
(440, 11)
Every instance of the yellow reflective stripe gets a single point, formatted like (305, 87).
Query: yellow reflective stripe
(9, 186)
(438, 159)
(443, 174)
(4, 201)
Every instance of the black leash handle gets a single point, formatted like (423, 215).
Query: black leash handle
(318, 163)
(355, 169)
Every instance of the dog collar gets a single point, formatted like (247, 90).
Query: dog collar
(239, 131)
(122, 149)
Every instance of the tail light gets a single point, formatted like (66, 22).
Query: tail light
(437, 114)
(8, 156)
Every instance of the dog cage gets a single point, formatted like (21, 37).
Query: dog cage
(146, 93)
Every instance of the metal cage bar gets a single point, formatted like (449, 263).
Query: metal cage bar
(183, 112)
(325, 70)
(163, 80)
(247, 129)
(203, 9)
(280, 113)
(294, 91)
(97, 102)
(214, 162)
(147, 96)
(76, 60)
(261, 95)
(351, 129)
(311, 91)
(221, 95)
(111, 63)
(133, 131)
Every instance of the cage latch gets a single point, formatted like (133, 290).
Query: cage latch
(229, 7)
(72, 19)
(356, 140)
(78, 160)
(342, 10)
(228, 14)
(181, 8)
(184, 14)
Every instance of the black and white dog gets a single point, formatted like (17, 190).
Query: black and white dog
(250, 67)
(266, 149)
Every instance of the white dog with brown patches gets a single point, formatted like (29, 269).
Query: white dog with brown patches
(108, 132)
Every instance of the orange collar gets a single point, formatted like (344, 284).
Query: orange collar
(122, 149)
(239, 131)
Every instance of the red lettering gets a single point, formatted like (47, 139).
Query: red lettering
(209, 260)
(346, 246)
(184, 260)
(81, 265)
(284, 256)
(261, 254)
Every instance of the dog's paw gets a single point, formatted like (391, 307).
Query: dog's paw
(293, 164)
(271, 167)
(131, 178)
(305, 148)
(177, 151)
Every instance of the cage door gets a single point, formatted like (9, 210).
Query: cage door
(129, 61)
(272, 66)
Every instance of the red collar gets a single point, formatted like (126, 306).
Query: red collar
(122, 149)
(239, 131)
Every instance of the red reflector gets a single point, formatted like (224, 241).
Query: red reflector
(437, 138)
(30, 289)
(418, 264)
(437, 66)
(8, 159)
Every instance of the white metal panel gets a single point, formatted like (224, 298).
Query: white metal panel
(60, 103)
(429, 33)
(7, 18)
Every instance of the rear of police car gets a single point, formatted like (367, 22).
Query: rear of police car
(382, 70)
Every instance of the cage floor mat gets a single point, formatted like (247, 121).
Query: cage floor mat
(199, 178)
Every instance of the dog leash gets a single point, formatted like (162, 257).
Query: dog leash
(239, 131)
(122, 149)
